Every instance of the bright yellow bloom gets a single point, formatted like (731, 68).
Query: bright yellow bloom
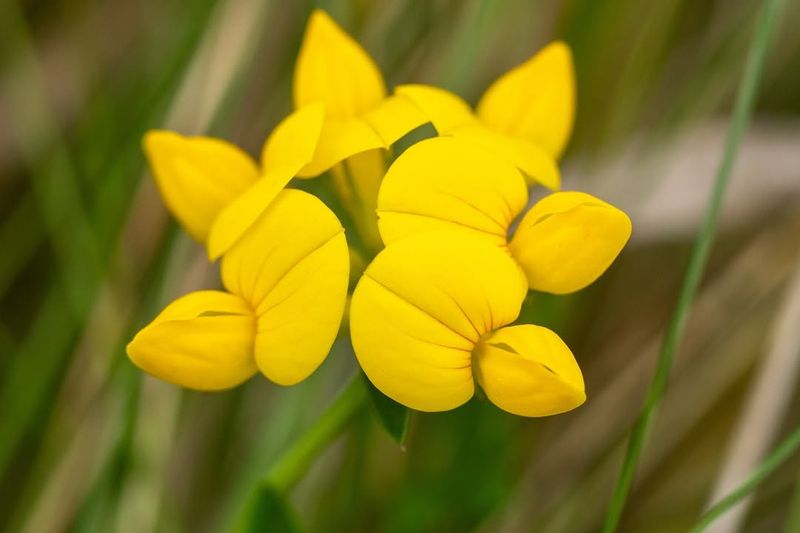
(428, 319)
(215, 189)
(563, 243)
(332, 68)
(286, 279)
(525, 116)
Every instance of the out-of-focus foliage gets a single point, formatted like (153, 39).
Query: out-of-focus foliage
(88, 254)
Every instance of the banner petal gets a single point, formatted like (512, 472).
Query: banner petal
(332, 68)
(536, 100)
(448, 183)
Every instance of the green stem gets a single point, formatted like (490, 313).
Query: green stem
(362, 209)
(291, 466)
(775, 459)
(742, 112)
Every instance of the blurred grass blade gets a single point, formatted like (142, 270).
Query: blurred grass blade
(465, 47)
(268, 511)
(770, 397)
(743, 109)
(94, 514)
(112, 180)
(394, 417)
(28, 383)
(21, 235)
(53, 177)
(776, 459)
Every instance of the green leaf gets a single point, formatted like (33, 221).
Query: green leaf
(268, 510)
(394, 417)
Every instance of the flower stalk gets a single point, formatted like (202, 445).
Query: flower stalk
(295, 461)
(291, 466)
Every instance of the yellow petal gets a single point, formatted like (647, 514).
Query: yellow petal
(394, 117)
(444, 110)
(203, 341)
(339, 140)
(334, 69)
(529, 371)
(567, 240)
(239, 215)
(421, 307)
(536, 100)
(197, 176)
(292, 268)
(447, 183)
(537, 165)
(294, 139)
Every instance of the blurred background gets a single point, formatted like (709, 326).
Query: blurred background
(88, 254)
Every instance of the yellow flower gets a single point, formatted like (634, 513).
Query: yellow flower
(332, 68)
(430, 317)
(563, 243)
(215, 189)
(286, 279)
(525, 116)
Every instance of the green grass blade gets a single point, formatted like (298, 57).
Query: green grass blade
(21, 234)
(775, 459)
(743, 109)
(33, 371)
(53, 177)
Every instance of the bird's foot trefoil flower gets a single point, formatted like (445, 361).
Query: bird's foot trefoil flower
(286, 280)
(430, 319)
(433, 315)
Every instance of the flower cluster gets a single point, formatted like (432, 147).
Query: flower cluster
(433, 313)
